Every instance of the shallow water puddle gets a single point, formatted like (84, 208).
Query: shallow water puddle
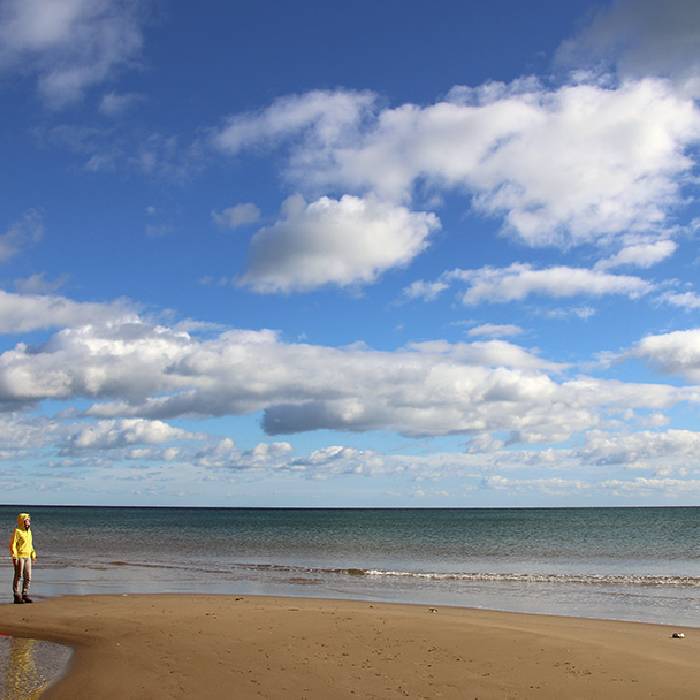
(29, 666)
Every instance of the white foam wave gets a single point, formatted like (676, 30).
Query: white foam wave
(617, 579)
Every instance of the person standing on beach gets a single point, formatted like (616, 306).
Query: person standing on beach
(23, 553)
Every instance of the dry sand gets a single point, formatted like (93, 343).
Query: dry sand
(176, 646)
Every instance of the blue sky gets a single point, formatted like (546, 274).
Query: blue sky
(367, 253)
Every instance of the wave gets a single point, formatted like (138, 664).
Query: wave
(619, 579)
(300, 571)
(476, 577)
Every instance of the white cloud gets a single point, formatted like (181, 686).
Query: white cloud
(552, 485)
(27, 312)
(519, 280)
(21, 432)
(600, 467)
(640, 255)
(644, 449)
(641, 38)
(238, 215)
(654, 420)
(109, 434)
(683, 300)
(120, 358)
(487, 353)
(138, 370)
(346, 241)
(677, 352)
(429, 291)
(481, 443)
(578, 164)
(29, 229)
(326, 116)
(69, 44)
(226, 455)
(647, 486)
(337, 459)
(427, 389)
(495, 330)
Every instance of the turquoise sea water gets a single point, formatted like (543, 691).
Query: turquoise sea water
(626, 563)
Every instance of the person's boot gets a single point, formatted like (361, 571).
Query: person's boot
(26, 599)
(18, 599)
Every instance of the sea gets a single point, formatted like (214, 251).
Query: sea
(638, 564)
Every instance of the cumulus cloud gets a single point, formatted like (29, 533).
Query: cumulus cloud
(578, 164)
(347, 241)
(109, 434)
(641, 38)
(69, 45)
(642, 449)
(541, 471)
(601, 465)
(676, 353)
(552, 485)
(122, 358)
(438, 388)
(238, 215)
(487, 353)
(520, 280)
(226, 455)
(136, 369)
(149, 454)
(19, 432)
(648, 486)
(21, 234)
(27, 312)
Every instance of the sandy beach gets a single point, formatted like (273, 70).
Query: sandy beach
(176, 646)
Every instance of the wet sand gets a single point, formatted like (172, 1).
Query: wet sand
(177, 646)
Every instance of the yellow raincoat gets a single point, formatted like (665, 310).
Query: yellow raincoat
(21, 546)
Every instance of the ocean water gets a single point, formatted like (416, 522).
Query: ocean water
(621, 563)
(29, 666)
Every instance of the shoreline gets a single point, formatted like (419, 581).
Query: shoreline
(177, 645)
(627, 600)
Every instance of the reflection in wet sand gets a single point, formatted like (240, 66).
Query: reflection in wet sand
(29, 666)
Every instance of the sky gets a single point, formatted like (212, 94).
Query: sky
(394, 253)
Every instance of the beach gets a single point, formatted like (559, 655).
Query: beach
(176, 646)
(316, 603)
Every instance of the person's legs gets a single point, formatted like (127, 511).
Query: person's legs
(19, 570)
(27, 581)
